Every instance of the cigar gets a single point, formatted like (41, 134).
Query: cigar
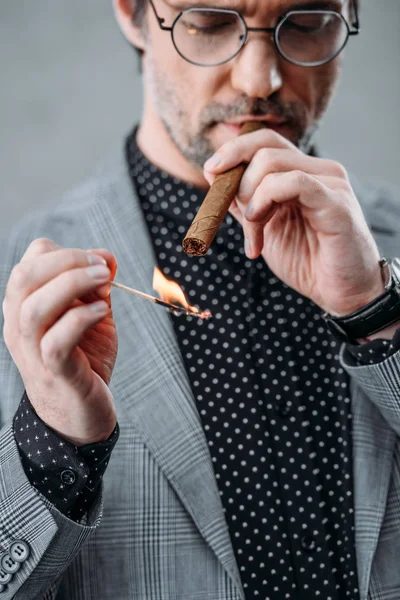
(216, 204)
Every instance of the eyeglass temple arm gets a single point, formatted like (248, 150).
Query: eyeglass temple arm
(356, 23)
(160, 20)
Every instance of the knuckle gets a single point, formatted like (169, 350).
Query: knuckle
(51, 351)
(273, 137)
(271, 160)
(19, 276)
(262, 154)
(339, 170)
(42, 245)
(300, 177)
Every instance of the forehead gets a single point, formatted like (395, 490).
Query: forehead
(254, 6)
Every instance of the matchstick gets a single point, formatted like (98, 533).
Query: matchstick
(178, 310)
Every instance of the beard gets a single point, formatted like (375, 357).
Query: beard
(196, 146)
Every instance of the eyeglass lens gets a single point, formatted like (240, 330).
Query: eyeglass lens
(211, 37)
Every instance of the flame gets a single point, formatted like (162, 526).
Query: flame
(170, 291)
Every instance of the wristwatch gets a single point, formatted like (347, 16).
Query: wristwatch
(375, 316)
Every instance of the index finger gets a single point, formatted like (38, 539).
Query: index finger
(39, 246)
(243, 147)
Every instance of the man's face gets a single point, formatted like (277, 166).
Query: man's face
(194, 103)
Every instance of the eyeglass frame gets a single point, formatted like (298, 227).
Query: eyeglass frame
(273, 30)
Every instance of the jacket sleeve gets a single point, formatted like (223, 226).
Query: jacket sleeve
(380, 382)
(48, 540)
(37, 542)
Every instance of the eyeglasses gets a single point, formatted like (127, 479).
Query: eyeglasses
(211, 36)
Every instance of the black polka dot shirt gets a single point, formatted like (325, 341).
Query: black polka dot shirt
(273, 400)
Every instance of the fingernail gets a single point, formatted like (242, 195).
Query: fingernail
(99, 306)
(94, 259)
(213, 162)
(249, 211)
(98, 272)
(247, 248)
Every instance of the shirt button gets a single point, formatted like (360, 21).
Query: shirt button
(308, 543)
(283, 409)
(68, 477)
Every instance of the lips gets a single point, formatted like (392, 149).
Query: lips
(269, 119)
(236, 126)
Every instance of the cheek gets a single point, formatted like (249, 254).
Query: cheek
(189, 87)
(325, 81)
(312, 87)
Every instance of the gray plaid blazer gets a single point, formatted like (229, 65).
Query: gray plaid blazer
(157, 530)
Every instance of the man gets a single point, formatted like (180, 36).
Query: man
(256, 455)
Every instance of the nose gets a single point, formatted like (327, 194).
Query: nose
(255, 70)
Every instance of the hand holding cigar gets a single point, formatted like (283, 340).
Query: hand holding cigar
(300, 214)
(215, 205)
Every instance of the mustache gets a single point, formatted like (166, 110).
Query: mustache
(216, 112)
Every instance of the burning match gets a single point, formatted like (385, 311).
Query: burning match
(169, 291)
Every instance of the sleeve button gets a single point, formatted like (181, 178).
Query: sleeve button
(4, 577)
(68, 477)
(19, 550)
(8, 564)
(2, 588)
(283, 410)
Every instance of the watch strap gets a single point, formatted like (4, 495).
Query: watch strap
(375, 316)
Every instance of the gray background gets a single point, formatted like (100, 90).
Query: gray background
(70, 89)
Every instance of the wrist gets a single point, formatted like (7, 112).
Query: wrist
(72, 434)
(359, 302)
(102, 436)
(378, 318)
(385, 334)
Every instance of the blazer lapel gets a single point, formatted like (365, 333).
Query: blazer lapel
(150, 378)
(373, 447)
